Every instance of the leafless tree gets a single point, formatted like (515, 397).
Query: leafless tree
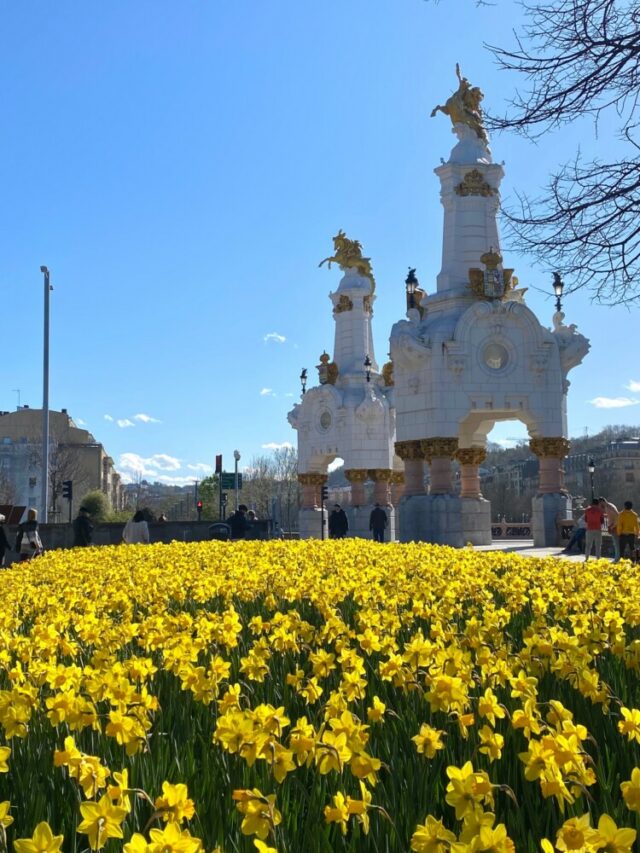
(8, 492)
(580, 58)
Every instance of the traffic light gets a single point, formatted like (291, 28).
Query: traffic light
(219, 463)
(67, 489)
(324, 493)
(199, 509)
(225, 498)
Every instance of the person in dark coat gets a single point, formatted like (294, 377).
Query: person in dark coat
(377, 523)
(238, 523)
(338, 523)
(4, 542)
(82, 529)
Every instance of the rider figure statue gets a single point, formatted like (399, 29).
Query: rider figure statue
(463, 107)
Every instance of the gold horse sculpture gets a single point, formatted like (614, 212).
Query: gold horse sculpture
(463, 107)
(348, 254)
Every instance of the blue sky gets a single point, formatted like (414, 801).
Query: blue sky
(181, 169)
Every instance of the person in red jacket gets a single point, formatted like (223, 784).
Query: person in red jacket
(594, 517)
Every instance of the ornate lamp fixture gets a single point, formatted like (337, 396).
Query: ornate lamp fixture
(412, 284)
(558, 287)
(367, 368)
(303, 379)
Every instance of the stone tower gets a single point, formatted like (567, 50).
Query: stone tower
(350, 413)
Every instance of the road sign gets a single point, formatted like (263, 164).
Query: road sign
(228, 481)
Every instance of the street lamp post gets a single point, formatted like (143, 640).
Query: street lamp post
(367, 368)
(591, 467)
(236, 458)
(45, 400)
(303, 380)
(558, 287)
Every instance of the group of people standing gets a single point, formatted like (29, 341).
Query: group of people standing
(339, 523)
(601, 516)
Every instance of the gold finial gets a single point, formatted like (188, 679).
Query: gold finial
(463, 107)
(324, 358)
(348, 255)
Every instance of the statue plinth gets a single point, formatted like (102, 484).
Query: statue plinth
(470, 149)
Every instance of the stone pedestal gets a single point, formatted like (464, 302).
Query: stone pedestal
(432, 518)
(309, 523)
(476, 521)
(359, 522)
(546, 510)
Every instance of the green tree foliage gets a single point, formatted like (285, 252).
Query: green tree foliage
(97, 504)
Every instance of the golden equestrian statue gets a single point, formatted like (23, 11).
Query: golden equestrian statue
(348, 254)
(463, 107)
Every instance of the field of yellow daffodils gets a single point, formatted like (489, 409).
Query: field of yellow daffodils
(304, 697)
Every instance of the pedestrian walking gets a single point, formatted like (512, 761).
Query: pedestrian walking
(136, 530)
(82, 529)
(28, 542)
(338, 523)
(594, 517)
(611, 512)
(628, 530)
(4, 542)
(238, 522)
(378, 522)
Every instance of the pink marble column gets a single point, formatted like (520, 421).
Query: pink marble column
(381, 478)
(357, 477)
(470, 459)
(311, 484)
(439, 452)
(412, 455)
(550, 453)
(397, 486)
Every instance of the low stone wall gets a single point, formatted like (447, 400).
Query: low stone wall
(55, 536)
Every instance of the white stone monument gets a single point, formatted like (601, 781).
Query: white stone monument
(472, 354)
(350, 413)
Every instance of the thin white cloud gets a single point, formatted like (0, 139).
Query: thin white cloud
(613, 402)
(108, 418)
(272, 445)
(633, 386)
(289, 395)
(333, 466)
(145, 419)
(275, 337)
(80, 422)
(267, 392)
(200, 466)
(132, 465)
(173, 481)
(124, 423)
(508, 443)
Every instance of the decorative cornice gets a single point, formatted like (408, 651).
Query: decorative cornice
(471, 455)
(409, 449)
(344, 304)
(474, 183)
(312, 479)
(439, 448)
(550, 448)
(379, 475)
(357, 475)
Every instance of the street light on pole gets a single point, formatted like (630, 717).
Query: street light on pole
(45, 400)
(558, 287)
(591, 468)
(236, 458)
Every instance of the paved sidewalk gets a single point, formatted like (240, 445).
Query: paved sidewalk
(524, 547)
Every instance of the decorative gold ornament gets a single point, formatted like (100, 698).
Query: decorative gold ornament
(491, 283)
(344, 304)
(380, 475)
(550, 448)
(409, 449)
(348, 255)
(471, 455)
(397, 478)
(438, 448)
(366, 305)
(312, 479)
(463, 107)
(474, 183)
(327, 370)
(357, 475)
(387, 374)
